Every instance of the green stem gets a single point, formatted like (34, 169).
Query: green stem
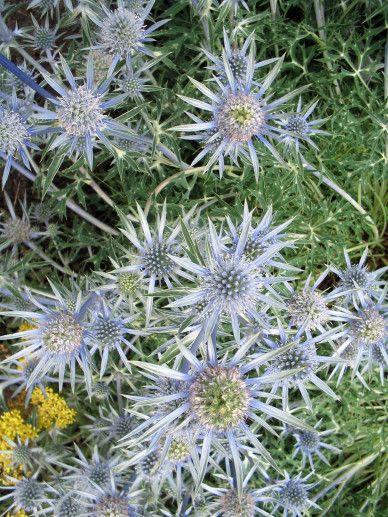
(327, 181)
(46, 258)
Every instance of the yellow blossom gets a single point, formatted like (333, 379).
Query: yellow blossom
(26, 326)
(12, 426)
(52, 409)
(20, 513)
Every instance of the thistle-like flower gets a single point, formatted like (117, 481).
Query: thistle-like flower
(79, 115)
(366, 331)
(90, 474)
(239, 115)
(28, 494)
(293, 495)
(301, 356)
(299, 129)
(110, 502)
(230, 285)
(123, 32)
(309, 309)
(154, 257)
(309, 443)
(15, 135)
(356, 282)
(216, 397)
(237, 59)
(58, 339)
(15, 230)
(109, 333)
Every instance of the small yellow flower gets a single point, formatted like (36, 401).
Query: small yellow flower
(12, 426)
(52, 409)
(20, 513)
(26, 326)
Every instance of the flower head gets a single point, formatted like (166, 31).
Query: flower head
(15, 134)
(356, 282)
(303, 359)
(299, 129)
(240, 115)
(214, 399)
(59, 337)
(123, 32)
(79, 114)
(219, 398)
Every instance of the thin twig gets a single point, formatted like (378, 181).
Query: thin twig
(69, 202)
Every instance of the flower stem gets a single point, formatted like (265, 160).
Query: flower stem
(327, 181)
(49, 260)
(167, 181)
(69, 202)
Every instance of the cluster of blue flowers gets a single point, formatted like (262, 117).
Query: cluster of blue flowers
(241, 344)
(200, 341)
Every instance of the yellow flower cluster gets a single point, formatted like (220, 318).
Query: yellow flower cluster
(12, 426)
(20, 513)
(26, 326)
(52, 409)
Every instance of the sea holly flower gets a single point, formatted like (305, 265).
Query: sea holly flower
(299, 129)
(356, 282)
(309, 309)
(365, 331)
(15, 230)
(229, 285)
(93, 473)
(310, 443)
(123, 32)
(154, 254)
(218, 397)
(110, 502)
(237, 59)
(228, 502)
(303, 357)
(292, 494)
(79, 115)
(110, 333)
(60, 338)
(260, 237)
(27, 494)
(240, 114)
(15, 134)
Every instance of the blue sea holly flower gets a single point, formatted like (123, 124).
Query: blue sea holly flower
(15, 134)
(110, 333)
(123, 32)
(240, 114)
(309, 309)
(303, 357)
(229, 285)
(93, 473)
(310, 443)
(260, 237)
(218, 397)
(15, 230)
(299, 129)
(60, 338)
(356, 282)
(366, 330)
(154, 254)
(237, 59)
(79, 115)
(27, 494)
(292, 495)
(110, 502)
